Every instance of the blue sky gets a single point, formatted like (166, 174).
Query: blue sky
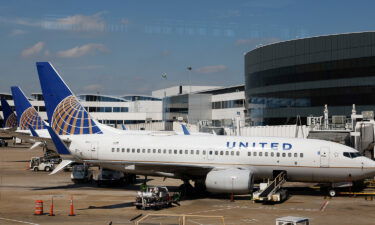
(123, 47)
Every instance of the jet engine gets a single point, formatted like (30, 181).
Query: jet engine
(232, 180)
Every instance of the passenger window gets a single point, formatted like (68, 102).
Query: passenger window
(170, 151)
(254, 153)
(175, 151)
(226, 153)
(216, 153)
(221, 153)
(289, 154)
(284, 154)
(113, 149)
(164, 151)
(159, 150)
(148, 150)
(278, 154)
(128, 150)
(232, 153)
(192, 152)
(237, 153)
(266, 154)
(186, 152)
(301, 155)
(260, 153)
(272, 154)
(180, 151)
(138, 150)
(197, 152)
(295, 155)
(133, 150)
(153, 150)
(118, 149)
(210, 152)
(248, 153)
(143, 150)
(204, 152)
(123, 149)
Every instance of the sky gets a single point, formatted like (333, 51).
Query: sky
(124, 47)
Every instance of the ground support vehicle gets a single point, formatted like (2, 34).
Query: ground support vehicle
(155, 198)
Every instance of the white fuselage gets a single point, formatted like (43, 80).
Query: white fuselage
(304, 160)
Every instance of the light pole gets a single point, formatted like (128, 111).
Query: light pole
(189, 76)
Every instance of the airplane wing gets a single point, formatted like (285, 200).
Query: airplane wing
(180, 170)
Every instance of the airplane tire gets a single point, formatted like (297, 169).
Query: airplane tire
(332, 192)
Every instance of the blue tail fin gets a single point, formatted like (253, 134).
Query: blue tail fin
(123, 127)
(59, 144)
(186, 131)
(10, 118)
(65, 113)
(27, 114)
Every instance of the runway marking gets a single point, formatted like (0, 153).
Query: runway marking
(18, 221)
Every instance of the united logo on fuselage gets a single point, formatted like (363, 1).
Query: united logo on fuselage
(70, 117)
(259, 145)
(30, 117)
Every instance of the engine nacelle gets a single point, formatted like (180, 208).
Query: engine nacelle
(233, 180)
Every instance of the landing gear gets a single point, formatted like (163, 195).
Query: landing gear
(332, 192)
(186, 189)
(199, 186)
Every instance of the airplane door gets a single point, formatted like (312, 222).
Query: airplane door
(94, 150)
(324, 157)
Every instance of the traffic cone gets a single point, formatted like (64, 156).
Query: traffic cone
(51, 209)
(71, 207)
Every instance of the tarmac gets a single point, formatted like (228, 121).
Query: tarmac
(20, 187)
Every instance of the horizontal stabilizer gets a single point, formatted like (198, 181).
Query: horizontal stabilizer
(33, 132)
(36, 144)
(61, 166)
(61, 148)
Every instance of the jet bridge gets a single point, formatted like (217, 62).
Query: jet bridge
(271, 191)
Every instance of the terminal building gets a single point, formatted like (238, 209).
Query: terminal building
(298, 77)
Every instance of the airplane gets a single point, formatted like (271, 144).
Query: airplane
(220, 164)
(9, 121)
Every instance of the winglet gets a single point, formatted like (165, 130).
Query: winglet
(124, 127)
(186, 131)
(62, 149)
(33, 132)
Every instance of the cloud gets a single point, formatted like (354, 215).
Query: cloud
(256, 41)
(33, 50)
(77, 22)
(82, 50)
(211, 69)
(16, 32)
(93, 88)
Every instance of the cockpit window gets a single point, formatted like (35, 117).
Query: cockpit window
(352, 154)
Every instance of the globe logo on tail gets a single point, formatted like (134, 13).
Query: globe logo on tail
(30, 117)
(11, 121)
(70, 117)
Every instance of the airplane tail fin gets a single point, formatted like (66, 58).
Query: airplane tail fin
(10, 118)
(27, 114)
(65, 113)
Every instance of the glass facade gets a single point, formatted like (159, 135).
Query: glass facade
(298, 77)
